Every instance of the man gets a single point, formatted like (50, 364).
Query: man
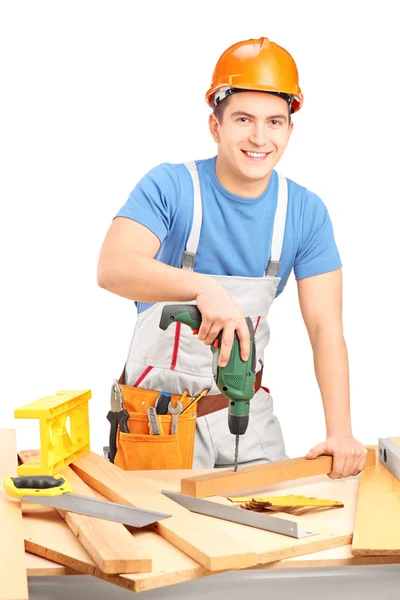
(226, 233)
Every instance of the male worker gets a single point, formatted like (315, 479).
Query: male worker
(225, 233)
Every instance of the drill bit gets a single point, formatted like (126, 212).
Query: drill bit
(236, 452)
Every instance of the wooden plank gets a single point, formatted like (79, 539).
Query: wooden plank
(171, 566)
(13, 579)
(189, 532)
(227, 481)
(48, 536)
(326, 559)
(270, 546)
(111, 546)
(377, 524)
(36, 566)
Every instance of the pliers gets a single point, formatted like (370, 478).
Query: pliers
(118, 417)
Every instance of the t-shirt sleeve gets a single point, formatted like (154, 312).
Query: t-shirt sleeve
(153, 201)
(317, 252)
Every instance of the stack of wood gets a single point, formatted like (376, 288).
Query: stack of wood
(183, 547)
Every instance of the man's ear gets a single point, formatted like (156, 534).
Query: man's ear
(214, 128)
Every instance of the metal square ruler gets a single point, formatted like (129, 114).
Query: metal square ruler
(389, 455)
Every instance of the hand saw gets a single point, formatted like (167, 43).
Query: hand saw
(236, 515)
(56, 492)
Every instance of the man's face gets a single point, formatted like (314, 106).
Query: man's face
(253, 135)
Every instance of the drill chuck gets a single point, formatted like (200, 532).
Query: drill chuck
(238, 424)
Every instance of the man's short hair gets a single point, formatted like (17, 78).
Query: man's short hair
(219, 109)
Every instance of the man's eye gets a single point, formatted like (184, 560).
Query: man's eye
(275, 122)
(243, 119)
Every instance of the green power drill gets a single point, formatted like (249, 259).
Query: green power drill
(236, 380)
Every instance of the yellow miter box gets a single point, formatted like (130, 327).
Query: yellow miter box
(64, 430)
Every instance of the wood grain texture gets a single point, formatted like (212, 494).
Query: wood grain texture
(36, 566)
(171, 566)
(13, 579)
(48, 536)
(377, 523)
(227, 481)
(111, 546)
(271, 547)
(189, 532)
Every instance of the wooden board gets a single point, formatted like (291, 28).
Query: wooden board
(189, 532)
(227, 481)
(13, 579)
(171, 566)
(111, 546)
(377, 524)
(48, 536)
(36, 566)
(275, 547)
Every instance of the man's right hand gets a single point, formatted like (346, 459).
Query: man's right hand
(219, 312)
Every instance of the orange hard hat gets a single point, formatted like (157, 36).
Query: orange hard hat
(255, 65)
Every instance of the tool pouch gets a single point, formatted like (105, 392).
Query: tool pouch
(139, 449)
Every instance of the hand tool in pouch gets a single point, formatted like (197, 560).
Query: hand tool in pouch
(175, 412)
(154, 424)
(237, 515)
(195, 401)
(161, 404)
(118, 416)
(236, 380)
(55, 491)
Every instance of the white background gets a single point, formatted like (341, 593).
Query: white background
(94, 94)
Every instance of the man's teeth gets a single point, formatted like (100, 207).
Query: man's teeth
(256, 154)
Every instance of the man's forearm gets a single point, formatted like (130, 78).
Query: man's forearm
(332, 373)
(138, 277)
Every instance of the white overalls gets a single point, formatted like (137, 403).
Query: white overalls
(175, 360)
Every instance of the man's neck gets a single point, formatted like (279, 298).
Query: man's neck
(240, 187)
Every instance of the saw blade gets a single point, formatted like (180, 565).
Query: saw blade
(236, 515)
(101, 509)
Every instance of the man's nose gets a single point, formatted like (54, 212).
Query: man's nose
(259, 135)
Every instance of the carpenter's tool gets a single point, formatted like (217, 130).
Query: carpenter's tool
(236, 380)
(161, 404)
(190, 406)
(153, 421)
(175, 412)
(389, 455)
(55, 491)
(245, 517)
(260, 503)
(118, 416)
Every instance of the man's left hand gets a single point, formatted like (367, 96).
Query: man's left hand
(349, 455)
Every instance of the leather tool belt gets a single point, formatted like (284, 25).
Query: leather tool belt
(140, 450)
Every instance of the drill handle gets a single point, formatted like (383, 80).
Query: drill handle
(188, 314)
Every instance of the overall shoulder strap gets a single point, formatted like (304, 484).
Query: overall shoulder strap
(189, 255)
(279, 228)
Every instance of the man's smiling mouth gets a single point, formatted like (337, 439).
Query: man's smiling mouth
(256, 155)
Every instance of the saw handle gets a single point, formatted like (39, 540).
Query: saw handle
(36, 485)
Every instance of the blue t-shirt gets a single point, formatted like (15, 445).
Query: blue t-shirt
(236, 232)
